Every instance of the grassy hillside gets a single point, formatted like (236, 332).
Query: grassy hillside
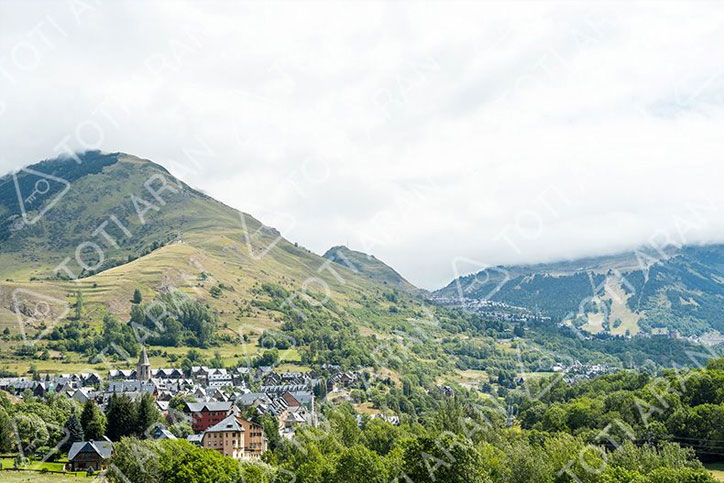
(176, 241)
(188, 242)
(369, 266)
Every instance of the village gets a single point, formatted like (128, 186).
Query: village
(219, 404)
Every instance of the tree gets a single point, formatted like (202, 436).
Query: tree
(320, 389)
(137, 297)
(361, 465)
(271, 429)
(184, 463)
(32, 432)
(217, 362)
(114, 332)
(268, 358)
(447, 458)
(380, 436)
(75, 431)
(7, 437)
(136, 461)
(147, 414)
(122, 417)
(93, 421)
(78, 305)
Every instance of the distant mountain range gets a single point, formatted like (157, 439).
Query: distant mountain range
(643, 291)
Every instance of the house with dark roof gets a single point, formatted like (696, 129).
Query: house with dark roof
(89, 455)
(161, 432)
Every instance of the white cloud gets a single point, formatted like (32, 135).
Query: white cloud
(418, 132)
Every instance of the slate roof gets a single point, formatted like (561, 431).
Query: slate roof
(250, 397)
(143, 360)
(282, 388)
(304, 397)
(196, 407)
(231, 423)
(195, 438)
(103, 448)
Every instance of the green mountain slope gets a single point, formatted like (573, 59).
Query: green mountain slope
(368, 266)
(156, 231)
(679, 289)
(113, 223)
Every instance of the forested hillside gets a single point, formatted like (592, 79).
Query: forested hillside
(675, 289)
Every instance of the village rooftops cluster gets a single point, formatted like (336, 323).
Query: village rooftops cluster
(577, 370)
(215, 399)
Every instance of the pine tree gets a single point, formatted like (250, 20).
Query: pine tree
(147, 414)
(75, 430)
(121, 417)
(320, 390)
(137, 297)
(93, 421)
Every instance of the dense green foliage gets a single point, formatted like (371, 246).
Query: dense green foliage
(178, 461)
(684, 407)
(37, 426)
(174, 319)
(93, 421)
(80, 336)
(457, 443)
(130, 418)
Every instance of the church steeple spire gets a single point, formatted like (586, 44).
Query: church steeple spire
(143, 370)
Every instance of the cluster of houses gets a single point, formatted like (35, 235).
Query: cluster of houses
(577, 370)
(490, 308)
(215, 399)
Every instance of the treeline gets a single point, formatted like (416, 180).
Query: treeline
(686, 407)
(172, 319)
(38, 426)
(175, 319)
(79, 336)
(455, 444)
(315, 326)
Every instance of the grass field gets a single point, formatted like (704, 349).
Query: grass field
(37, 465)
(49, 465)
(717, 470)
(36, 477)
(231, 354)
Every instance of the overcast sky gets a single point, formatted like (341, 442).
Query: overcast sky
(439, 137)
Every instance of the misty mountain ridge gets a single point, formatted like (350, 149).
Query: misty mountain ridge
(645, 291)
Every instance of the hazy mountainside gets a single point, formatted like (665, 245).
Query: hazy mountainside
(681, 289)
(368, 266)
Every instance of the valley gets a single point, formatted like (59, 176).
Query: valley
(128, 266)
